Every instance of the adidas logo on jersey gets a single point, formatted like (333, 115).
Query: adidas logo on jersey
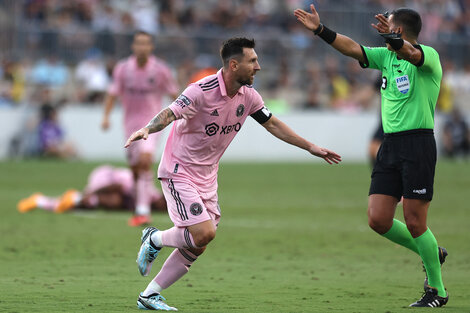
(215, 113)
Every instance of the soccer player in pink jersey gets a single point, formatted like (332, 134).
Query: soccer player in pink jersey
(108, 187)
(207, 115)
(140, 81)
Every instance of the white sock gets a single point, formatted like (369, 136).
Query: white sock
(153, 287)
(156, 238)
(142, 209)
(77, 198)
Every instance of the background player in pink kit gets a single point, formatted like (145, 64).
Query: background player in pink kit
(208, 115)
(108, 187)
(141, 81)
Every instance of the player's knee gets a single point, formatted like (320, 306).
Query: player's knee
(378, 225)
(203, 238)
(415, 227)
(197, 251)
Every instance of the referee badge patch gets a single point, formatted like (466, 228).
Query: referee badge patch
(195, 209)
(403, 84)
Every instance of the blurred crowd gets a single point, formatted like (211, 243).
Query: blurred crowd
(67, 49)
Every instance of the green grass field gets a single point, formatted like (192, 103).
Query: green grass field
(293, 238)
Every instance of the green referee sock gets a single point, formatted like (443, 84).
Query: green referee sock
(427, 247)
(400, 234)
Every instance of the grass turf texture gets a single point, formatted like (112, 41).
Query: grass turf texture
(293, 238)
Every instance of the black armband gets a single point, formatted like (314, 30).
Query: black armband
(394, 40)
(262, 116)
(325, 33)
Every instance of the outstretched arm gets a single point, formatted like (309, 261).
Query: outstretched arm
(159, 122)
(285, 133)
(342, 43)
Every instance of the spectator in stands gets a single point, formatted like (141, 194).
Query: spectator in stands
(51, 136)
(49, 72)
(92, 77)
(456, 137)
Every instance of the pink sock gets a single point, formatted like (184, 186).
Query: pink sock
(176, 237)
(175, 266)
(47, 203)
(144, 186)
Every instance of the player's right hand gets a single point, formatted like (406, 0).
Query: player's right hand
(142, 133)
(310, 20)
(105, 124)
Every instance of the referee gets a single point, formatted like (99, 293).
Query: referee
(411, 77)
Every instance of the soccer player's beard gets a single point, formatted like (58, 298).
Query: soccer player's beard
(142, 59)
(245, 81)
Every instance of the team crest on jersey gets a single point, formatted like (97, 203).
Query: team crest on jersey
(195, 209)
(240, 110)
(403, 84)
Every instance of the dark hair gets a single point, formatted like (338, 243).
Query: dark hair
(47, 112)
(409, 19)
(234, 47)
(143, 32)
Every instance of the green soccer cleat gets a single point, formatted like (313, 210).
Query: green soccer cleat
(148, 251)
(155, 302)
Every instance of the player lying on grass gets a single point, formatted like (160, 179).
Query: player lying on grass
(406, 160)
(107, 188)
(207, 116)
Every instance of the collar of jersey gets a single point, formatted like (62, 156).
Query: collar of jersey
(223, 90)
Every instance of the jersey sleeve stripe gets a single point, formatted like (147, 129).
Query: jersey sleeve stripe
(208, 83)
(366, 63)
(421, 61)
(209, 88)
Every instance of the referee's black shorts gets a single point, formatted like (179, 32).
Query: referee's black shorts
(405, 165)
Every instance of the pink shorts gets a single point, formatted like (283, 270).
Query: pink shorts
(187, 205)
(142, 146)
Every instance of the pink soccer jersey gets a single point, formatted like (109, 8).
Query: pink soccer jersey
(141, 90)
(208, 120)
(106, 175)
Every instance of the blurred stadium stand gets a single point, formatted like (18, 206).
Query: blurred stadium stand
(70, 48)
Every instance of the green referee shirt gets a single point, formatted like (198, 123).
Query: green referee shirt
(409, 92)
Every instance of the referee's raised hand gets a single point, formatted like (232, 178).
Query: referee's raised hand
(310, 20)
(382, 26)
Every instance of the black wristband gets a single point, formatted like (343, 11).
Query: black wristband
(396, 44)
(325, 33)
(394, 40)
(318, 30)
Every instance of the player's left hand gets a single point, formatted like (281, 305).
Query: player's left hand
(142, 133)
(327, 155)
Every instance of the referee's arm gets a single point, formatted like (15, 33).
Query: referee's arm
(348, 47)
(340, 42)
(409, 52)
